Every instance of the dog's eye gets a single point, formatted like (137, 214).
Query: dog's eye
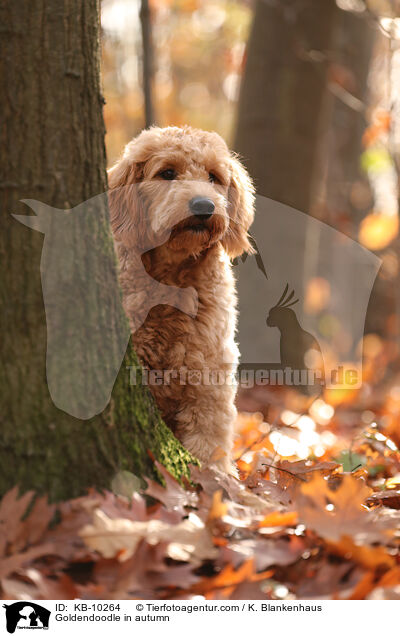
(168, 175)
(213, 177)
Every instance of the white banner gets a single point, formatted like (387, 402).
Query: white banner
(180, 617)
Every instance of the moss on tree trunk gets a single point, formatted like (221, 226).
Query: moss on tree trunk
(52, 145)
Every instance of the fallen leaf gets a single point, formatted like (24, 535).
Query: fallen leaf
(218, 508)
(172, 496)
(363, 587)
(279, 519)
(334, 513)
(188, 540)
(389, 498)
(367, 556)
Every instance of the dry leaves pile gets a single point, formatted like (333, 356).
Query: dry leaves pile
(327, 526)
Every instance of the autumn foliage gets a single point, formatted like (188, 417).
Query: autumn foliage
(316, 527)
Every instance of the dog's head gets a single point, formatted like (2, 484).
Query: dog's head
(181, 186)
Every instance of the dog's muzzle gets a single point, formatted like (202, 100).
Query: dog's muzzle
(202, 207)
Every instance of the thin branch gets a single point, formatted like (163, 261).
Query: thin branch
(147, 63)
(284, 470)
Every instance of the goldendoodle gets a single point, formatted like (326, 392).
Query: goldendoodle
(181, 205)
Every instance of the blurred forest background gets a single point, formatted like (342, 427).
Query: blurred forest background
(198, 51)
(307, 92)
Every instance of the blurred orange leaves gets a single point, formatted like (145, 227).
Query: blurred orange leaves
(378, 230)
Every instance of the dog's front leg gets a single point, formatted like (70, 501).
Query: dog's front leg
(205, 425)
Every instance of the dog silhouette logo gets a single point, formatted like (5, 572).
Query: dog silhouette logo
(26, 615)
(299, 349)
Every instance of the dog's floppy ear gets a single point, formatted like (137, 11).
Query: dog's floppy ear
(241, 210)
(127, 214)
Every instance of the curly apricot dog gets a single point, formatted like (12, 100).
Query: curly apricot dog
(181, 205)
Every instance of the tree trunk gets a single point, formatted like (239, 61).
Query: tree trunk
(281, 97)
(52, 143)
(302, 105)
(147, 63)
(345, 121)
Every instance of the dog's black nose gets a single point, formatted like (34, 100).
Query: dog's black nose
(200, 206)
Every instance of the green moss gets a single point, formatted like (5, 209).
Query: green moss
(51, 452)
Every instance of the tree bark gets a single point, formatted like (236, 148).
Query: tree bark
(147, 63)
(52, 150)
(345, 119)
(302, 104)
(281, 97)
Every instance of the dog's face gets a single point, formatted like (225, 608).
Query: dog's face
(182, 187)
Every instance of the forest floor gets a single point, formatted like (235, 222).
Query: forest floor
(315, 515)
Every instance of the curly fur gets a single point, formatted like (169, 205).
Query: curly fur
(154, 235)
